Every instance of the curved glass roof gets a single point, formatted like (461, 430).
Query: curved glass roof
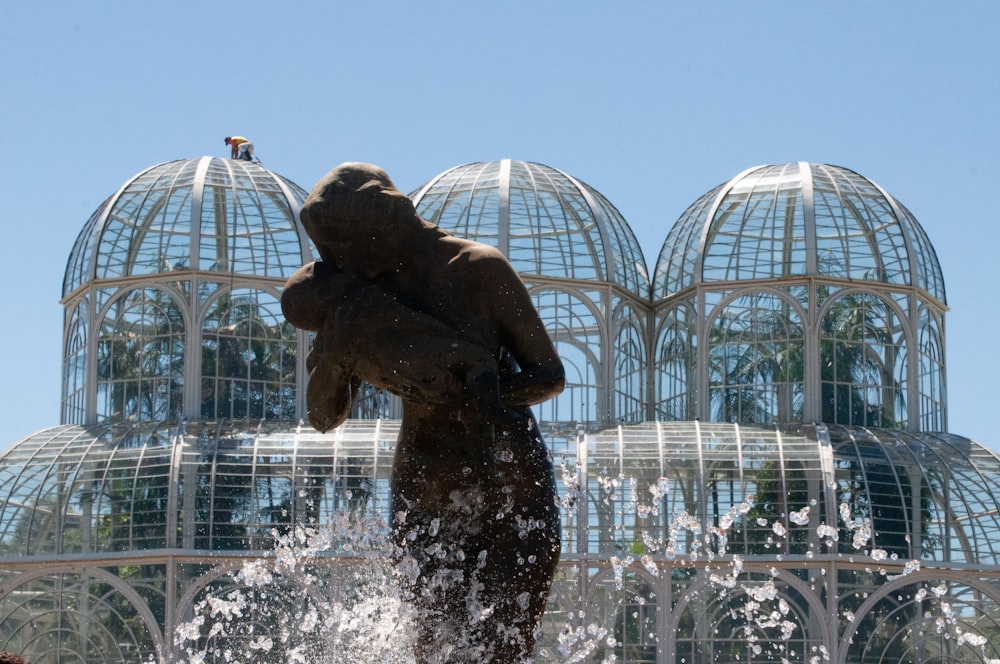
(211, 214)
(800, 491)
(797, 219)
(545, 221)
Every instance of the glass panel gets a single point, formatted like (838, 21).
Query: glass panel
(465, 201)
(756, 361)
(131, 490)
(552, 229)
(140, 358)
(573, 328)
(758, 231)
(677, 263)
(148, 229)
(877, 495)
(630, 264)
(928, 268)
(75, 365)
(627, 606)
(554, 225)
(936, 620)
(247, 223)
(862, 357)
(630, 367)
(857, 233)
(933, 395)
(761, 619)
(676, 374)
(78, 265)
(248, 358)
(75, 617)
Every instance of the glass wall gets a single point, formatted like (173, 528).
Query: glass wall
(248, 358)
(681, 541)
(140, 357)
(804, 288)
(756, 362)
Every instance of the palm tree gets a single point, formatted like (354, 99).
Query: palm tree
(857, 363)
(248, 360)
(140, 358)
(755, 362)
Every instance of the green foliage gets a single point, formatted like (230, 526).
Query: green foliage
(248, 362)
(777, 493)
(757, 364)
(140, 358)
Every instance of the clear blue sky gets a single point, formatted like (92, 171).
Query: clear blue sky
(652, 103)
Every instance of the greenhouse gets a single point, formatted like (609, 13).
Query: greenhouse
(752, 455)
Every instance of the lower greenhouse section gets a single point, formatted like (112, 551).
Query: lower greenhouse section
(682, 542)
(772, 613)
(338, 610)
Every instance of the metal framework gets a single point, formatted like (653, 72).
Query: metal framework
(800, 292)
(171, 297)
(581, 262)
(704, 519)
(862, 540)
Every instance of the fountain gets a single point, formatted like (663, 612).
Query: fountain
(447, 325)
(356, 611)
(463, 564)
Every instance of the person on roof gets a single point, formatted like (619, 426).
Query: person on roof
(242, 148)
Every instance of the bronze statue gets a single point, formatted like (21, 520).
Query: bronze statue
(446, 324)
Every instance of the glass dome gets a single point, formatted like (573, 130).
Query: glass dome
(834, 528)
(797, 219)
(545, 221)
(171, 297)
(800, 293)
(581, 263)
(217, 215)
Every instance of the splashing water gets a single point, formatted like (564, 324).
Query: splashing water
(290, 609)
(295, 608)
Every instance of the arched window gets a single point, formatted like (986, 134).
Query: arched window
(75, 366)
(933, 397)
(862, 360)
(755, 361)
(630, 364)
(140, 358)
(675, 366)
(248, 358)
(574, 329)
(760, 619)
(628, 606)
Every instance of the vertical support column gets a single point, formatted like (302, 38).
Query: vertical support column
(192, 333)
(703, 406)
(812, 399)
(93, 338)
(914, 358)
(170, 614)
(583, 505)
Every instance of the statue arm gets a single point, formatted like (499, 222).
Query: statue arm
(532, 386)
(408, 353)
(362, 331)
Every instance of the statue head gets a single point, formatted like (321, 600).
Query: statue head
(354, 213)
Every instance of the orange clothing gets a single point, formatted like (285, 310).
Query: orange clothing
(234, 143)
